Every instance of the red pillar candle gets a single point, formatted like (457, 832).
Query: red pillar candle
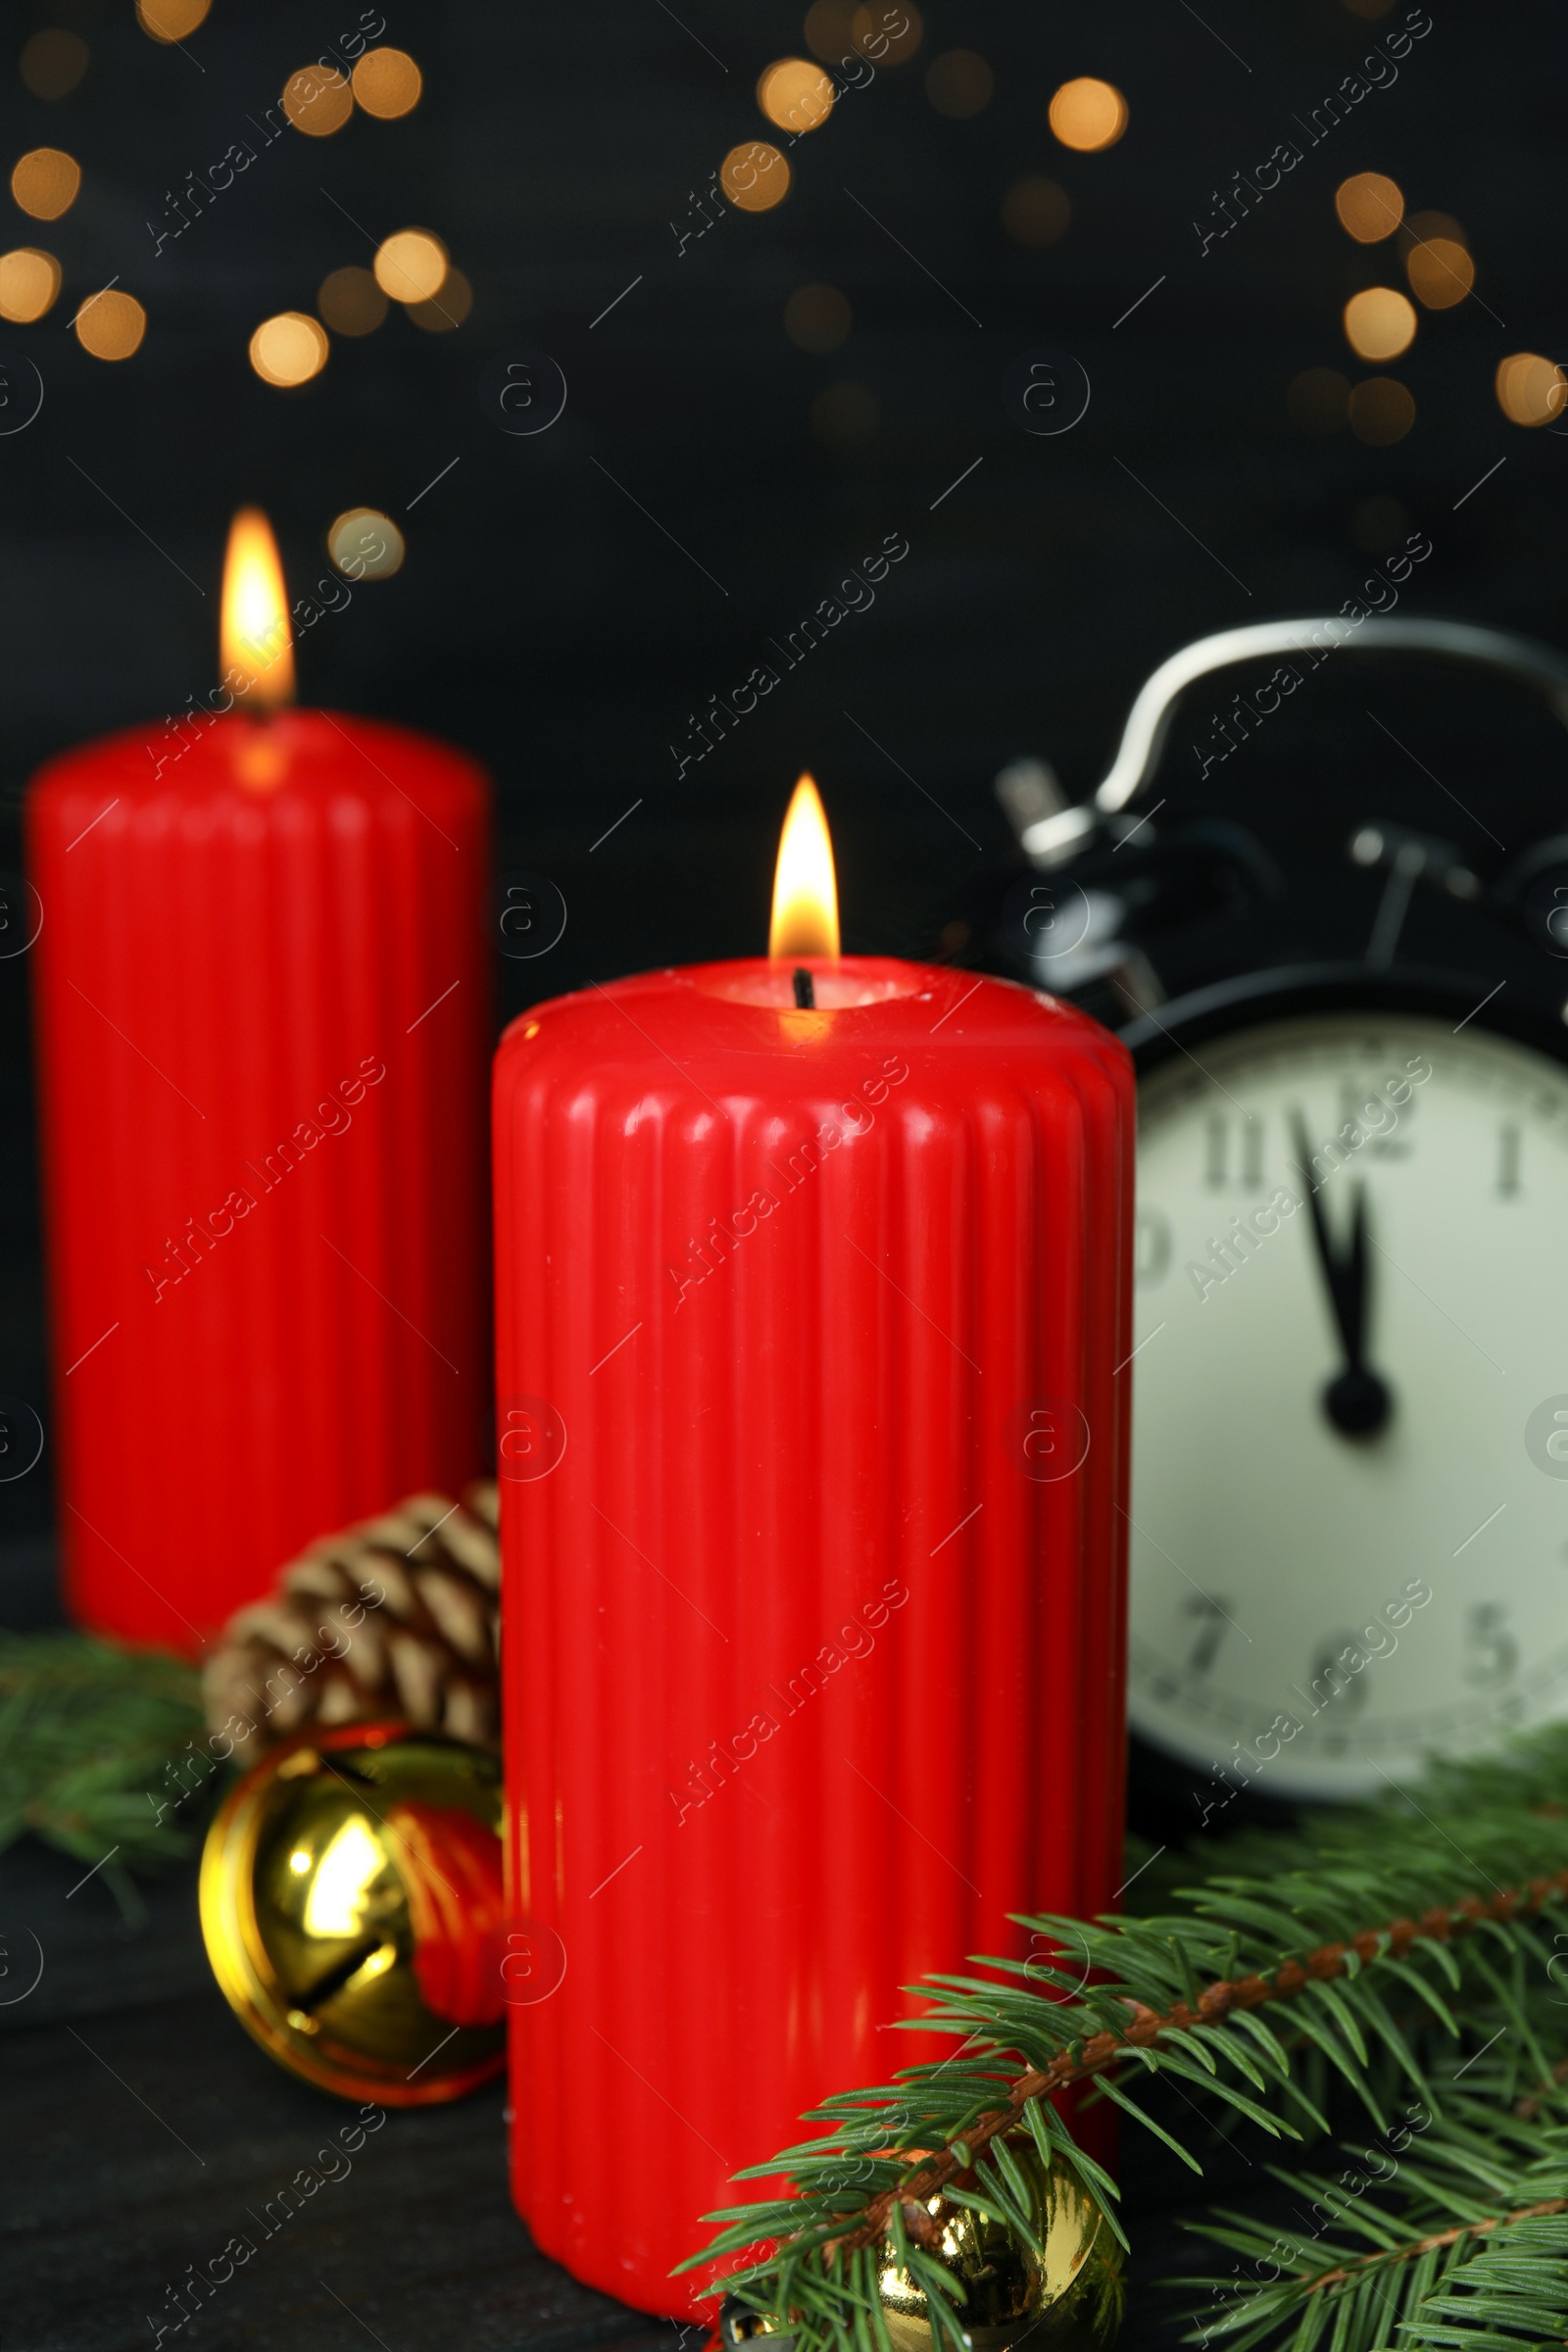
(263, 1004)
(812, 1329)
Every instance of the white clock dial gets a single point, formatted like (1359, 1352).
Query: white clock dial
(1280, 1636)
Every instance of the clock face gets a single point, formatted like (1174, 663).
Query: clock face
(1349, 1496)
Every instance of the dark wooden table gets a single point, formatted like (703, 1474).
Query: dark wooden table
(140, 2130)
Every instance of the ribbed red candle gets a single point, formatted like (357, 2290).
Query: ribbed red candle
(264, 1015)
(812, 1329)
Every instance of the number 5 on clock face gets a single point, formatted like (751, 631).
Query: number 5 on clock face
(1350, 1398)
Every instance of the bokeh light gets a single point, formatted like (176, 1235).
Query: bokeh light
(111, 326)
(45, 182)
(170, 20)
(1379, 323)
(1318, 401)
(289, 347)
(960, 83)
(830, 29)
(1531, 390)
(818, 318)
(365, 545)
(1381, 411)
(1088, 115)
(887, 35)
(446, 310)
(29, 281)
(410, 265)
(1417, 225)
(351, 302)
(1035, 211)
(317, 100)
(1441, 273)
(795, 94)
(387, 83)
(1370, 205)
(53, 61)
(845, 417)
(754, 177)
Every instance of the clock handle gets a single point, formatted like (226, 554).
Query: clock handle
(1050, 839)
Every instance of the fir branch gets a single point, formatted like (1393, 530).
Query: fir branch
(1471, 2249)
(1373, 1937)
(1216, 2003)
(89, 1740)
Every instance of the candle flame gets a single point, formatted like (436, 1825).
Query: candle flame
(806, 894)
(256, 648)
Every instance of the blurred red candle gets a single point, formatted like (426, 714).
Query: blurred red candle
(812, 1329)
(263, 1005)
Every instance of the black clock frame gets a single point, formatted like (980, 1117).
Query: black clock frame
(1248, 999)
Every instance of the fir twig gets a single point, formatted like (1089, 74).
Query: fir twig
(90, 1741)
(1352, 1951)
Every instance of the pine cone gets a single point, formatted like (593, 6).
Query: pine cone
(397, 1616)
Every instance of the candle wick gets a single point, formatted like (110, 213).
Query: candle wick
(805, 989)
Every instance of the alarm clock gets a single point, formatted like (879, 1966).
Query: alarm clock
(1348, 1523)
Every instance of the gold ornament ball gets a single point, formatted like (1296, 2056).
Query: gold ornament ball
(351, 1911)
(1066, 2298)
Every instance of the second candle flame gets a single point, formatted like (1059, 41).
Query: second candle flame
(255, 645)
(806, 895)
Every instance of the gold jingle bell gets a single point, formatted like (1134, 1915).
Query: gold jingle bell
(1066, 2298)
(352, 1907)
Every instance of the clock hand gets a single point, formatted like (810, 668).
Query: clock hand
(1333, 1273)
(1357, 1279)
(1357, 1401)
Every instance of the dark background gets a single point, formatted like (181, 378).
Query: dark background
(545, 621)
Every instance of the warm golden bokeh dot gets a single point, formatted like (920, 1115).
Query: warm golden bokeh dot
(446, 310)
(755, 178)
(889, 35)
(45, 182)
(351, 302)
(365, 545)
(1417, 225)
(845, 417)
(317, 100)
(818, 318)
(170, 20)
(111, 326)
(1441, 273)
(1088, 115)
(53, 61)
(387, 83)
(828, 28)
(1370, 205)
(1381, 411)
(960, 83)
(1318, 401)
(289, 349)
(29, 281)
(410, 265)
(1379, 323)
(1531, 390)
(795, 94)
(1035, 210)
